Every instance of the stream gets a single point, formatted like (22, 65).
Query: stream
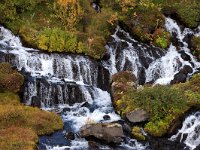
(77, 87)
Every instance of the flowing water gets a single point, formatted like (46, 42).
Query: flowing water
(77, 87)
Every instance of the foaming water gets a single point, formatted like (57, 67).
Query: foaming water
(190, 131)
(72, 85)
(147, 62)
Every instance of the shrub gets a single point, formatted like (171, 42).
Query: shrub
(15, 138)
(10, 79)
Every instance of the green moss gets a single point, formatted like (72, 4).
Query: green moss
(9, 98)
(188, 12)
(165, 104)
(137, 133)
(196, 46)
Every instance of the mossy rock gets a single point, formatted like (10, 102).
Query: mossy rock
(165, 104)
(137, 133)
(195, 42)
(187, 12)
(146, 23)
(10, 79)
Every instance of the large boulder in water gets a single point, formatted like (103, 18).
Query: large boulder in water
(137, 116)
(108, 132)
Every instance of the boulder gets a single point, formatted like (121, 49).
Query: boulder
(186, 69)
(108, 132)
(70, 135)
(137, 116)
(179, 78)
(185, 56)
(106, 117)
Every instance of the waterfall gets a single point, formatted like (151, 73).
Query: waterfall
(73, 85)
(190, 131)
(148, 63)
(77, 86)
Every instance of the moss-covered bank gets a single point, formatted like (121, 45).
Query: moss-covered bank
(164, 104)
(20, 125)
(75, 27)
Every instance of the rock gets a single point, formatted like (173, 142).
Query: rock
(35, 101)
(165, 144)
(179, 78)
(85, 104)
(137, 116)
(185, 56)
(106, 117)
(108, 132)
(70, 135)
(186, 69)
(93, 145)
(66, 109)
(174, 127)
(106, 56)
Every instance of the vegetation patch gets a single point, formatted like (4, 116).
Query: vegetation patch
(15, 138)
(195, 42)
(165, 104)
(20, 125)
(187, 12)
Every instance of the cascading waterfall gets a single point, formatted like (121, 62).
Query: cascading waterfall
(190, 131)
(73, 85)
(148, 63)
(76, 86)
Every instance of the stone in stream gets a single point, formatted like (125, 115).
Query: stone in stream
(70, 135)
(185, 56)
(179, 78)
(107, 132)
(106, 117)
(137, 116)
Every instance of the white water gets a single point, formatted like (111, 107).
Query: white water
(190, 130)
(55, 79)
(162, 64)
(54, 71)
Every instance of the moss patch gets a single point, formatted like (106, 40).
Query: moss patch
(20, 125)
(187, 12)
(165, 104)
(195, 41)
(10, 79)
(18, 139)
(59, 26)
(137, 133)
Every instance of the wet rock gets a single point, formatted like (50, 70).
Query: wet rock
(186, 69)
(70, 135)
(106, 117)
(93, 145)
(106, 56)
(108, 132)
(175, 126)
(179, 78)
(35, 101)
(66, 109)
(85, 104)
(185, 56)
(137, 116)
(165, 144)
